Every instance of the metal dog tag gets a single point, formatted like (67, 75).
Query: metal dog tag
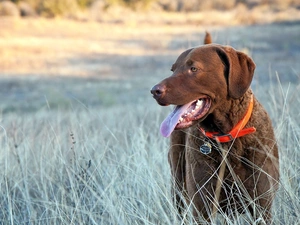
(205, 148)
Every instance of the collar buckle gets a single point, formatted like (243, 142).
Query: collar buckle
(223, 137)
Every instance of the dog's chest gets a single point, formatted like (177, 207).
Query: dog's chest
(200, 149)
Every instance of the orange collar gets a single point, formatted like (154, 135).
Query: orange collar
(237, 131)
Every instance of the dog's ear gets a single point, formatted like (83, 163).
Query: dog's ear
(207, 38)
(240, 69)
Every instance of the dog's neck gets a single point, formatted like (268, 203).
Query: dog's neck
(226, 116)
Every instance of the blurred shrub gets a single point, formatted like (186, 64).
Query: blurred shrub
(8, 8)
(26, 9)
(133, 4)
(200, 5)
(169, 5)
(84, 3)
(51, 8)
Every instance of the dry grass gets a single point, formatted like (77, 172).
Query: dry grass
(79, 130)
(109, 166)
(44, 46)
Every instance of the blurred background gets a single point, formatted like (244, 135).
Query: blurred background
(56, 53)
(96, 8)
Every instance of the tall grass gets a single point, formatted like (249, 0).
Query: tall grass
(84, 167)
(109, 165)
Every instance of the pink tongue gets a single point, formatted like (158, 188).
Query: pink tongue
(169, 124)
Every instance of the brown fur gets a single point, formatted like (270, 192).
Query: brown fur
(224, 75)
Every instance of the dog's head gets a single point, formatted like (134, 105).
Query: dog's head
(202, 78)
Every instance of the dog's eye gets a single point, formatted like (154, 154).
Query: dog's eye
(194, 69)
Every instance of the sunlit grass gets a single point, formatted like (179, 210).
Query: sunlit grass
(109, 166)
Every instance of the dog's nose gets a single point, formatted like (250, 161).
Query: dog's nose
(158, 91)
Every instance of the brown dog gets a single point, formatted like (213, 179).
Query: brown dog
(216, 113)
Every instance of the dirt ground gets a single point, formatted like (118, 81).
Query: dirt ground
(59, 63)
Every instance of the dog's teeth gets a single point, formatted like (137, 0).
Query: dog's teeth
(199, 102)
(193, 111)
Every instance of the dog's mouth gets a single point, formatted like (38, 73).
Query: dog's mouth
(184, 115)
